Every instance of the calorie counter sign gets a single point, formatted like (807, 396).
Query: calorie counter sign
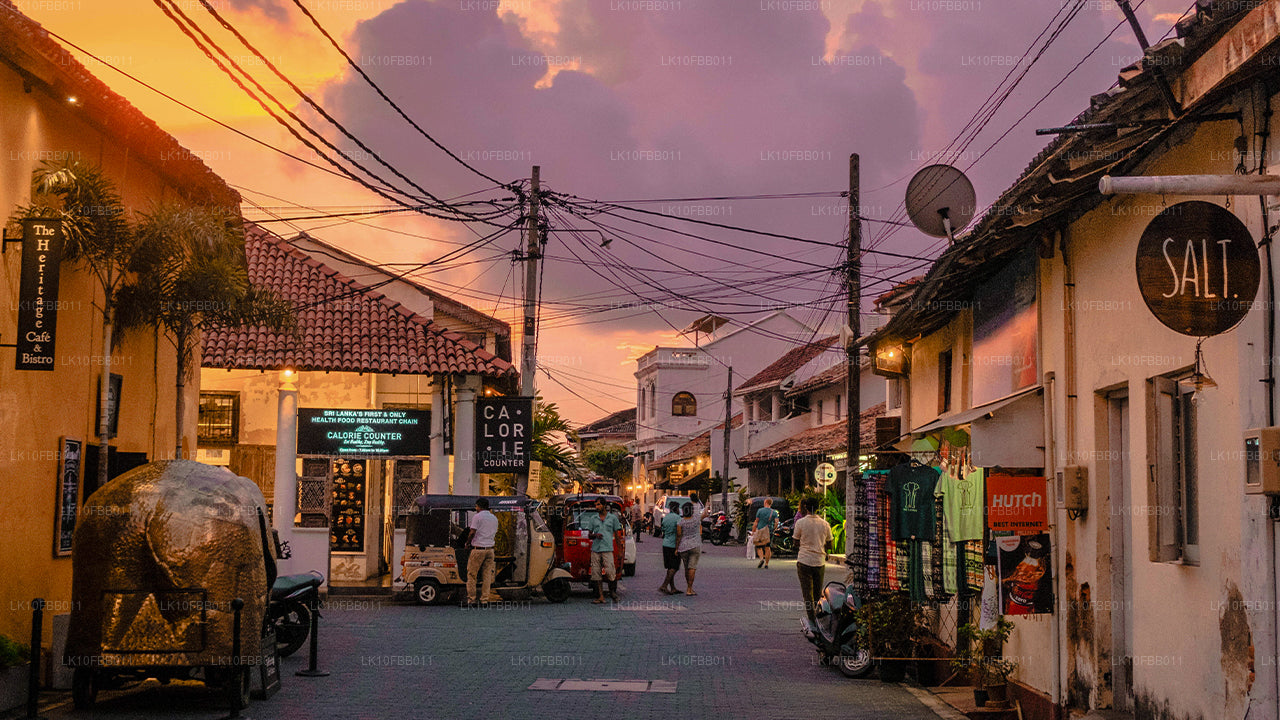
(504, 434)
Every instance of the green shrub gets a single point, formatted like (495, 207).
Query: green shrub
(12, 652)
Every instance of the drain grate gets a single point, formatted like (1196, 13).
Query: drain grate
(653, 686)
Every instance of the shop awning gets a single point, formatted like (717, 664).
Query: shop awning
(965, 417)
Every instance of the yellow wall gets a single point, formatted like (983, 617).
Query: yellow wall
(37, 407)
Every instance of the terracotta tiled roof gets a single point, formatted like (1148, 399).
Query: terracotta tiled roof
(818, 441)
(342, 325)
(52, 68)
(622, 422)
(830, 376)
(791, 361)
(699, 445)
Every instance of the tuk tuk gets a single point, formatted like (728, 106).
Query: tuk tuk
(434, 565)
(573, 547)
(159, 555)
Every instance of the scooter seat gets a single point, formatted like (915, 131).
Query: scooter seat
(287, 585)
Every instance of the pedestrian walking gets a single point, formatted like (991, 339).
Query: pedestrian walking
(670, 556)
(603, 528)
(813, 534)
(689, 543)
(480, 563)
(762, 532)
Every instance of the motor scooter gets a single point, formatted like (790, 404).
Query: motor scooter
(717, 529)
(836, 632)
(293, 599)
(784, 544)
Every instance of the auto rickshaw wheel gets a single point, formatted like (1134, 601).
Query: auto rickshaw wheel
(557, 591)
(629, 569)
(428, 591)
(84, 688)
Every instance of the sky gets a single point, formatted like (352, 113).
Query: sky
(677, 103)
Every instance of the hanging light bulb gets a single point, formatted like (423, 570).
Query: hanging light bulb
(1200, 379)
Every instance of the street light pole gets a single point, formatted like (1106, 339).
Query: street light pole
(529, 337)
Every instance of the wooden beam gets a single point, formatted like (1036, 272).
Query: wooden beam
(1244, 41)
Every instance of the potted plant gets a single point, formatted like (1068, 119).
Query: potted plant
(887, 627)
(14, 657)
(980, 652)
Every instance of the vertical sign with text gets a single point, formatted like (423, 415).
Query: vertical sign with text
(38, 293)
(69, 453)
(504, 434)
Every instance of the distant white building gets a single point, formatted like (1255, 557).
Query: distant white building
(680, 390)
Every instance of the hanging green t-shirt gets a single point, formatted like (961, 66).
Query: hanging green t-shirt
(911, 489)
(962, 501)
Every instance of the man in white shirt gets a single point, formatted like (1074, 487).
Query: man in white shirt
(484, 528)
(813, 534)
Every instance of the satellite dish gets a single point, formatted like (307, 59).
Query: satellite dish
(940, 200)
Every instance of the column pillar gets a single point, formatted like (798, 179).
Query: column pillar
(465, 481)
(777, 407)
(438, 467)
(285, 495)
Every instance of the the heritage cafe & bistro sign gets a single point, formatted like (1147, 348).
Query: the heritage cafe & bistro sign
(1198, 268)
(42, 243)
(370, 433)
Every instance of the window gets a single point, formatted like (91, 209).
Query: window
(219, 419)
(1172, 488)
(820, 409)
(944, 381)
(684, 404)
(641, 407)
(895, 393)
(837, 407)
(653, 399)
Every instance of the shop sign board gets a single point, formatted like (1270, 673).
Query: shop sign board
(364, 432)
(1026, 574)
(1198, 268)
(42, 243)
(1017, 503)
(824, 474)
(69, 454)
(504, 434)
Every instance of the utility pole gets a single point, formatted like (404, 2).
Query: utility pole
(852, 474)
(529, 348)
(724, 471)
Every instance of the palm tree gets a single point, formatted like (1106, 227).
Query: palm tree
(97, 235)
(549, 447)
(188, 274)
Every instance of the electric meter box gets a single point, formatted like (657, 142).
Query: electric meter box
(1075, 487)
(1262, 461)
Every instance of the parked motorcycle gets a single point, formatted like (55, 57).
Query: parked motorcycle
(835, 634)
(717, 529)
(293, 599)
(784, 544)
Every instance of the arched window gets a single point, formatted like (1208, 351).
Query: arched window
(684, 403)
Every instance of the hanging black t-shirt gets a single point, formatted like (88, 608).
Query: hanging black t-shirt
(911, 493)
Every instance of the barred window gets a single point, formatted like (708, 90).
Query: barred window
(684, 404)
(219, 420)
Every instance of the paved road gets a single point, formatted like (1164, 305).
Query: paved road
(733, 650)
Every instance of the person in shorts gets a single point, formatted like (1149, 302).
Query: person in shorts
(603, 528)
(670, 558)
(767, 521)
(689, 543)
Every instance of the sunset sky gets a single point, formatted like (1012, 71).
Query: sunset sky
(623, 100)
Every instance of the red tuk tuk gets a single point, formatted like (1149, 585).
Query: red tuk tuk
(564, 515)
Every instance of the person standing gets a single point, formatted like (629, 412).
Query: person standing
(604, 529)
(767, 521)
(689, 543)
(670, 557)
(813, 535)
(480, 563)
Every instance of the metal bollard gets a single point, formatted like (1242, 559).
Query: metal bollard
(33, 674)
(237, 606)
(311, 670)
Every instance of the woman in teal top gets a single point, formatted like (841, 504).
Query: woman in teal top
(766, 517)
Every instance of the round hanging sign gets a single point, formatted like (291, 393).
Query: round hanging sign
(1198, 268)
(825, 474)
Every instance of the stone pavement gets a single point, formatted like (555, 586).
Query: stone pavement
(733, 650)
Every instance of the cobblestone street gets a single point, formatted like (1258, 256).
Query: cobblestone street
(733, 650)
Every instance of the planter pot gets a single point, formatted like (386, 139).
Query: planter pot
(892, 670)
(13, 686)
(980, 697)
(998, 696)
